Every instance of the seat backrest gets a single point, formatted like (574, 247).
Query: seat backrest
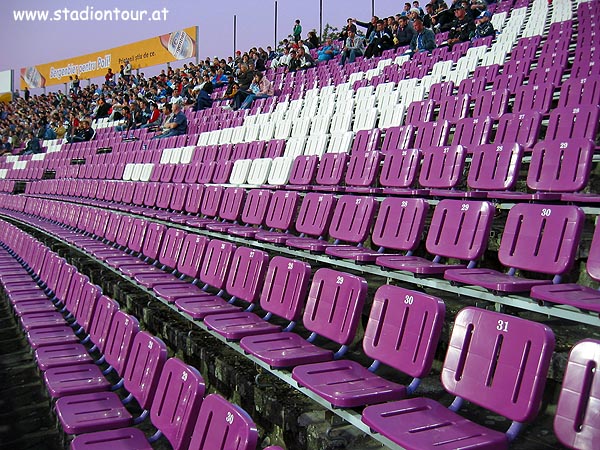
(432, 134)
(334, 305)
(222, 171)
(144, 366)
(363, 168)
(533, 97)
(352, 218)
(171, 247)
(178, 197)
(492, 103)
(211, 200)
(471, 132)
(153, 239)
(522, 128)
(123, 329)
(419, 111)
(248, 267)
(580, 91)
(215, 265)
(136, 237)
(460, 229)
(398, 138)
(404, 328)
(100, 327)
(315, 212)
(576, 422)
(231, 205)
(331, 169)
(442, 166)
(366, 141)
(255, 206)
(304, 170)
(581, 121)
(560, 165)
(498, 362)
(494, 167)
(275, 148)
(221, 425)
(541, 238)
(192, 254)
(282, 210)
(284, 288)
(593, 261)
(177, 402)
(400, 168)
(454, 108)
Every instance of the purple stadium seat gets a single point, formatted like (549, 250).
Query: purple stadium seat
(350, 222)
(458, 230)
(245, 278)
(509, 81)
(403, 331)
(472, 132)
(363, 168)
(221, 425)
(576, 423)
(546, 76)
(254, 213)
(399, 172)
(173, 412)
(212, 272)
(91, 412)
(398, 138)
(222, 171)
(419, 111)
(522, 128)
(283, 295)
(454, 108)
(442, 168)
(398, 228)
(86, 378)
(574, 122)
(573, 294)
(492, 103)
(209, 209)
(472, 86)
(229, 212)
(332, 169)
(440, 91)
(313, 218)
(556, 167)
(333, 310)
(533, 98)
(493, 168)
(366, 141)
(537, 238)
(580, 91)
(434, 134)
(496, 361)
(302, 174)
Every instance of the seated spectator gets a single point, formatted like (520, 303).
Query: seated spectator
(32, 145)
(283, 59)
(83, 134)
(404, 33)
(5, 146)
(423, 40)
(129, 118)
(102, 109)
(442, 19)
(427, 18)
(177, 124)
(203, 100)
(484, 26)
(154, 119)
(328, 51)
(312, 40)
(302, 60)
(260, 88)
(355, 46)
(381, 40)
(462, 27)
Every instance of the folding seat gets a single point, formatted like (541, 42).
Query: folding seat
(295, 147)
(87, 378)
(522, 128)
(303, 172)
(79, 413)
(580, 91)
(222, 172)
(362, 172)
(173, 412)
(556, 167)
(419, 111)
(280, 172)
(275, 148)
(365, 119)
(214, 205)
(575, 424)
(313, 219)
(454, 108)
(495, 361)
(346, 383)
(255, 150)
(351, 222)
(434, 134)
(259, 171)
(392, 116)
(472, 132)
(239, 173)
(533, 98)
(398, 138)
(459, 230)
(316, 145)
(441, 91)
(340, 142)
(330, 174)
(240, 151)
(144, 244)
(442, 168)
(245, 276)
(399, 172)
(366, 141)
(333, 310)
(537, 238)
(492, 103)
(508, 81)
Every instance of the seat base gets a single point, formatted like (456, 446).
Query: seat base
(492, 280)
(581, 297)
(121, 439)
(238, 325)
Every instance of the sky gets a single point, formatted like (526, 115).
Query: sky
(27, 43)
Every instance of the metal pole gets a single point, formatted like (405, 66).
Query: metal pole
(276, 20)
(372, 8)
(234, 34)
(320, 20)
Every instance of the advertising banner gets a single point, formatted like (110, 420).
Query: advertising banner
(180, 44)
